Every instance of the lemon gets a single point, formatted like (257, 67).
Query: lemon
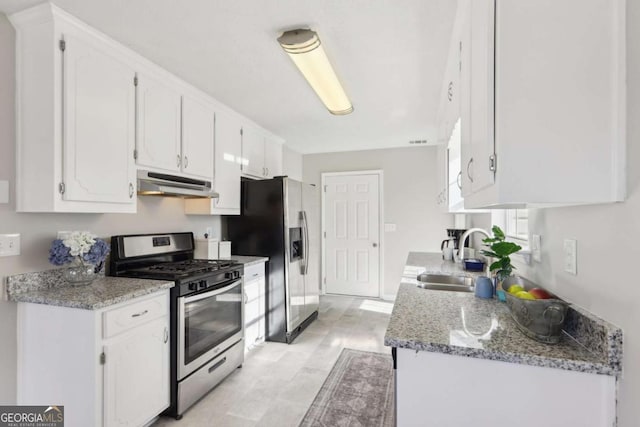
(524, 295)
(514, 289)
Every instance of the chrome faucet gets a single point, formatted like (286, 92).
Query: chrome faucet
(464, 236)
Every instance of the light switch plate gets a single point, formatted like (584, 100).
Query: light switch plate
(535, 248)
(9, 245)
(389, 227)
(571, 256)
(4, 191)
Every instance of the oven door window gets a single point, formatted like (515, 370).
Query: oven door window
(210, 321)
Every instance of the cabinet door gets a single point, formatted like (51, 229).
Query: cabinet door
(252, 312)
(98, 128)
(442, 170)
(465, 98)
(136, 375)
(481, 105)
(158, 126)
(253, 152)
(228, 158)
(272, 158)
(197, 138)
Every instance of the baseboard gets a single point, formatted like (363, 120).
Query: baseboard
(389, 297)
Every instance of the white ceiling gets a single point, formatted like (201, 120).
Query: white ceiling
(389, 54)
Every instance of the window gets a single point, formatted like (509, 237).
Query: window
(517, 224)
(514, 223)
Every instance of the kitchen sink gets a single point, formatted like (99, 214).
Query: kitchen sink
(444, 282)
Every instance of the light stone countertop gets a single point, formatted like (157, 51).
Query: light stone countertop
(50, 289)
(249, 260)
(460, 324)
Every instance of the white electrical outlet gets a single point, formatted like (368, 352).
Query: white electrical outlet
(9, 244)
(571, 256)
(535, 248)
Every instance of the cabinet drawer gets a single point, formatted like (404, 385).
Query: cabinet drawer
(124, 318)
(253, 272)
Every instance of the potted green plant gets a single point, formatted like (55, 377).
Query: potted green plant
(500, 250)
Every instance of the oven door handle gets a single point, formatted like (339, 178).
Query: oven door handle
(213, 293)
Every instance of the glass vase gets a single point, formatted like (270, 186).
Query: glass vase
(80, 273)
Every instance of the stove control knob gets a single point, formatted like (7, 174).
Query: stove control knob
(236, 274)
(203, 284)
(193, 286)
(228, 275)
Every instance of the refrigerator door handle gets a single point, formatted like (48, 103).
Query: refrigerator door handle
(305, 237)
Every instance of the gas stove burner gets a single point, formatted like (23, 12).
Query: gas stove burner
(188, 267)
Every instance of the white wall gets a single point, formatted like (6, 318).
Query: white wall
(409, 200)
(608, 245)
(37, 230)
(291, 163)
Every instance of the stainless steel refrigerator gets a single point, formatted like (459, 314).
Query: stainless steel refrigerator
(279, 220)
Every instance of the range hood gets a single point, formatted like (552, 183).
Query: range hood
(160, 184)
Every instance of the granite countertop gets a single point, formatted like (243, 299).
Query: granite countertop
(460, 324)
(249, 260)
(49, 288)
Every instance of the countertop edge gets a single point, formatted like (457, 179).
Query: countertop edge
(32, 298)
(538, 361)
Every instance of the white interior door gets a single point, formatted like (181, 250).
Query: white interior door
(352, 226)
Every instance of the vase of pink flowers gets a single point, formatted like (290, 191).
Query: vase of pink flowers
(84, 252)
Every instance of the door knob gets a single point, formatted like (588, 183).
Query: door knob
(375, 245)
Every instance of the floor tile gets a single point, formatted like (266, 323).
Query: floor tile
(278, 382)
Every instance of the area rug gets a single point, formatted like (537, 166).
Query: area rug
(359, 391)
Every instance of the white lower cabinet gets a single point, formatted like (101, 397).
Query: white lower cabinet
(108, 367)
(438, 389)
(254, 308)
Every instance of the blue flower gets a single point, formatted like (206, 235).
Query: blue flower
(97, 253)
(59, 254)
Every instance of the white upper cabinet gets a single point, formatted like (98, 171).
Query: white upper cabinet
(543, 112)
(76, 118)
(197, 138)
(98, 126)
(253, 152)
(261, 154)
(226, 181)
(272, 157)
(91, 111)
(158, 139)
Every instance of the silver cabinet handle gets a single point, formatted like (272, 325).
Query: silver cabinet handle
(468, 166)
(450, 91)
(142, 313)
(166, 335)
(179, 162)
(186, 162)
(131, 190)
(459, 180)
(246, 298)
(267, 171)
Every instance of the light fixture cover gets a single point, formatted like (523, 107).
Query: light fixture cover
(306, 52)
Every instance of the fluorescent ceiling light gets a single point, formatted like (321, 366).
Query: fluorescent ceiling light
(305, 50)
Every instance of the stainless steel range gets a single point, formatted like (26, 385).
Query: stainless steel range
(207, 310)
